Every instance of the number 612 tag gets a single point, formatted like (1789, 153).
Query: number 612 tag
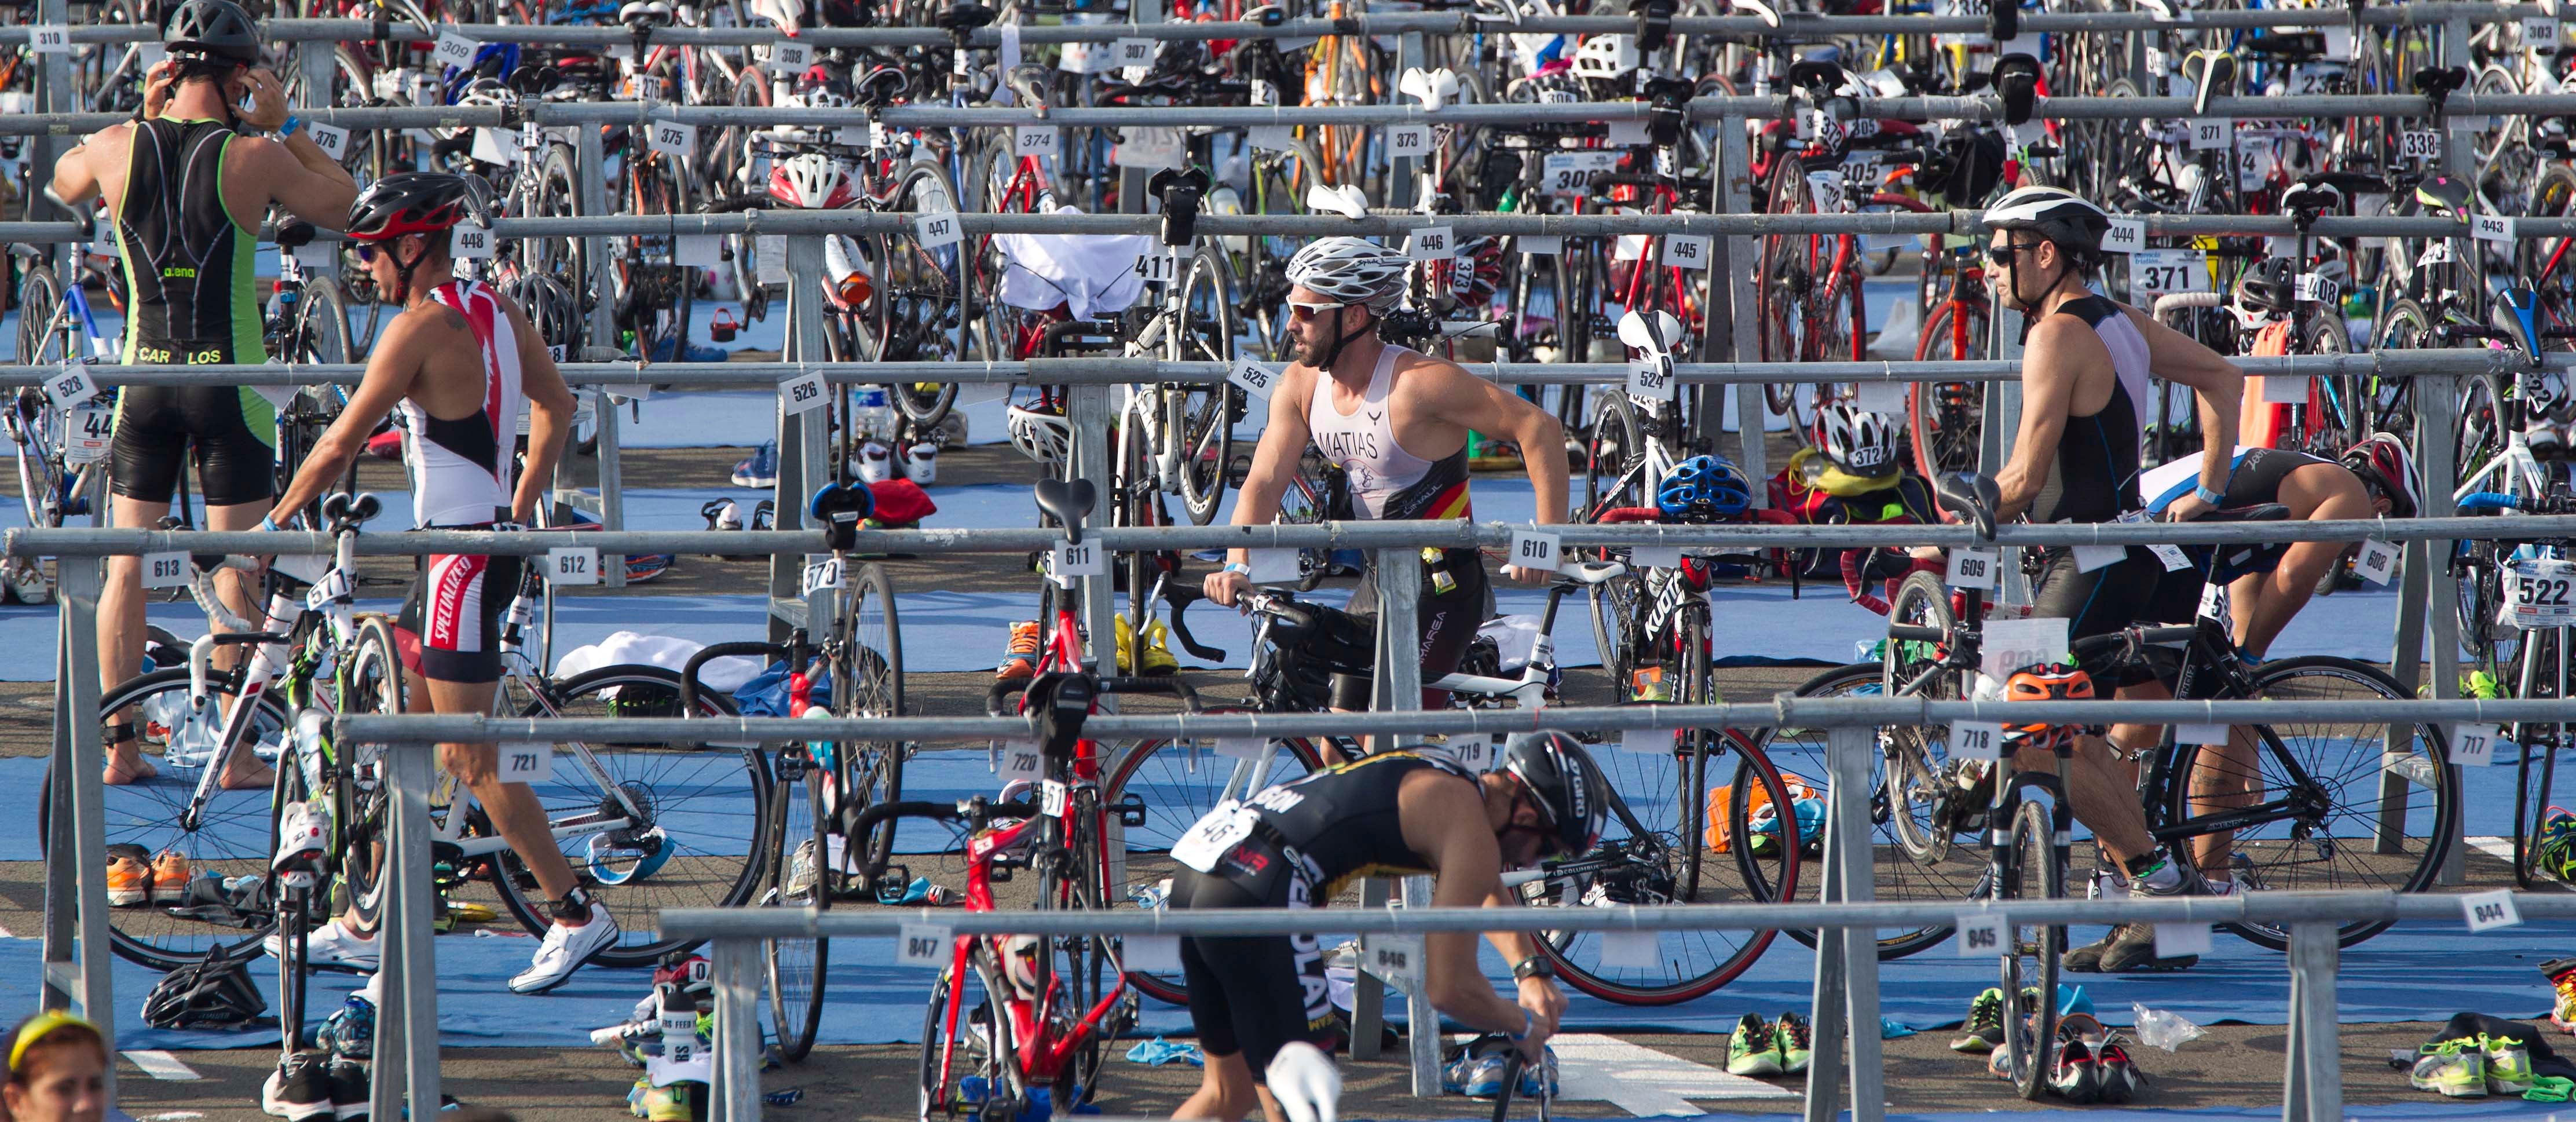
(527, 763)
(572, 564)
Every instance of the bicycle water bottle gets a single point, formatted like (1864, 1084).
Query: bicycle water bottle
(679, 1022)
(873, 410)
(514, 626)
(800, 693)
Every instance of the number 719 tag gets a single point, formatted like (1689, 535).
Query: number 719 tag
(527, 763)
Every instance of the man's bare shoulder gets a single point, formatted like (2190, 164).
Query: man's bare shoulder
(1420, 375)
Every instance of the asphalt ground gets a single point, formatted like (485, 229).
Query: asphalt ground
(2234, 1065)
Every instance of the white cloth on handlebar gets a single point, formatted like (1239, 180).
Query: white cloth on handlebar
(723, 675)
(1089, 274)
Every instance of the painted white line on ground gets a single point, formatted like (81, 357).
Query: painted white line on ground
(161, 1065)
(1642, 1081)
(2499, 848)
(174, 1116)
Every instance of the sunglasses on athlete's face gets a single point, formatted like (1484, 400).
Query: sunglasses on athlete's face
(2002, 255)
(1304, 310)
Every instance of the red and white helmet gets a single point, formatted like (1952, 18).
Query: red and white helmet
(812, 181)
(2384, 464)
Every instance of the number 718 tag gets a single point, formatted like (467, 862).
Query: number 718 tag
(527, 763)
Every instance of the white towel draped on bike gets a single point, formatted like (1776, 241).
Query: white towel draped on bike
(1090, 274)
(723, 675)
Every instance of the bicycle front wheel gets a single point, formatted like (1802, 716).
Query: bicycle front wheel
(698, 830)
(2367, 806)
(2031, 871)
(796, 966)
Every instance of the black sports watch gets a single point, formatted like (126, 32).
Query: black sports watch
(1532, 967)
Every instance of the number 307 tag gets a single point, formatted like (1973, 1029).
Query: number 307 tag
(527, 763)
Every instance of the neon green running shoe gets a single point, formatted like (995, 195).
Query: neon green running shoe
(2508, 1064)
(1754, 1049)
(1791, 1031)
(2456, 1068)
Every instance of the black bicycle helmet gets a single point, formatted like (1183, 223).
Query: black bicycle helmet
(213, 993)
(212, 31)
(411, 202)
(1568, 788)
(2267, 286)
(550, 310)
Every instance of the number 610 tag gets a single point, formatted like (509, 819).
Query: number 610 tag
(527, 763)
(1534, 549)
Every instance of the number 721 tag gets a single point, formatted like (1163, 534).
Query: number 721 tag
(528, 762)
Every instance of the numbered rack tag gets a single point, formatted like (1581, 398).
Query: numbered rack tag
(822, 574)
(1879, 397)
(2540, 33)
(1242, 747)
(1408, 142)
(1649, 380)
(1430, 243)
(2126, 235)
(1272, 138)
(1271, 566)
(2378, 561)
(1655, 557)
(2421, 145)
(87, 430)
(1475, 753)
(2542, 593)
(470, 243)
(455, 50)
(1981, 935)
(1535, 549)
(1134, 52)
(49, 39)
(924, 944)
(1158, 265)
(2015, 643)
(2203, 733)
(528, 762)
(2488, 910)
(1971, 568)
(165, 570)
(70, 386)
(1647, 742)
(2317, 288)
(1686, 251)
(331, 139)
(1020, 760)
(2492, 228)
(1631, 950)
(1539, 245)
(937, 230)
(1394, 959)
(572, 564)
(788, 58)
(2212, 134)
(1034, 140)
(2179, 940)
(1256, 379)
(2473, 745)
(1976, 740)
(1083, 559)
(671, 138)
(802, 393)
(1150, 954)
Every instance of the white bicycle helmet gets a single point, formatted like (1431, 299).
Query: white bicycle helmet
(1041, 434)
(812, 181)
(2055, 213)
(1858, 441)
(1606, 56)
(1351, 270)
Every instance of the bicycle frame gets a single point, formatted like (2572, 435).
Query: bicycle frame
(1042, 1053)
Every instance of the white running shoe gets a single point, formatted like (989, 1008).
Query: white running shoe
(331, 946)
(876, 462)
(299, 838)
(565, 950)
(921, 464)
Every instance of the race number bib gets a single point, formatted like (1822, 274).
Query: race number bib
(1215, 835)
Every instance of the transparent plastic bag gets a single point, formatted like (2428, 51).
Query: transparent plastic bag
(2159, 1029)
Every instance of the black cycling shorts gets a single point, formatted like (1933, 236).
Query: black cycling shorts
(2133, 590)
(1448, 621)
(1254, 994)
(231, 425)
(453, 615)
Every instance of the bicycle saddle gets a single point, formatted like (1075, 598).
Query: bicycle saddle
(2003, 20)
(2016, 78)
(79, 216)
(964, 17)
(2212, 74)
(2444, 193)
(2515, 313)
(1822, 75)
(1435, 88)
(1653, 336)
(1654, 23)
(1067, 503)
(1268, 15)
(840, 508)
(340, 512)
(2434, 81)
(2306, 200)
(1758, 9)
(2161, 9)
(1345, 200)
(653, 13)
(882, 86)
(1180, 192)
(292, 232)
(1970, 496)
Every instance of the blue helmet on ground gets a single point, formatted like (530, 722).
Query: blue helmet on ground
(1703, 488)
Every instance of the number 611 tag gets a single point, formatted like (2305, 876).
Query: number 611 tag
(1080, 560)
(527, 763)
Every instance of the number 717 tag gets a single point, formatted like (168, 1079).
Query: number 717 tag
(527, 763)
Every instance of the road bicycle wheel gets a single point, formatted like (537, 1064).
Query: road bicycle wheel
(2541, 672)
(557, 195)
(1172, 784)
(2031, 871)
(232, 836)
(371, 681)
(925, 292)
(321, 333)
(1946, 420)
(967, 1067)
(702, 839)
(1618, 627)
(1080, 968)
(1799, 754)
(1617, 443)
(1924, 815)
(874, 767)
(802, 853)
(654, 291)
(1207, 416)
(2377, 812)
(40, 298)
